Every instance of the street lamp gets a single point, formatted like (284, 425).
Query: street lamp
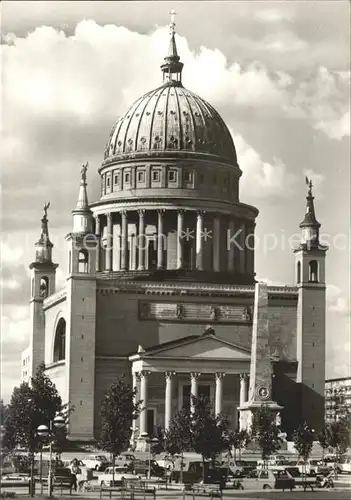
(44, 431)
(151, 441)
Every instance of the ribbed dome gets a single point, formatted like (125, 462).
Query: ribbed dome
(168, 119)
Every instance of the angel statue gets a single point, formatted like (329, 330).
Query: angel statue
(83, 171)
(46, 206)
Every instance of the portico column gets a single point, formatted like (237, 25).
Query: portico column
(216, 243)
(143, 396)
(243, 388)
(193, 388)
(98, 243)
(168, 399)
(109, 243)
(180, 238)
(230, 245)
(136, 387)
(124, 240)
(141, 241)
(160, 237)
(199, 241)
(219, 393)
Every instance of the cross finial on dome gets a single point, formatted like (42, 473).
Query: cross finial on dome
(172, 25)
(172, 67)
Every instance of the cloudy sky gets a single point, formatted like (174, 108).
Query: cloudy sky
(278, 73)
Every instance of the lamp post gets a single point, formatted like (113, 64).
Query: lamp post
(44, 431)
(150, 441)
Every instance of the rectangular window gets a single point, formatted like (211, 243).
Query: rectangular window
(172, 175)
(108, 182)
(127, 177)
(156, 175)
(188, 176)
(141, 176)
(116, 178)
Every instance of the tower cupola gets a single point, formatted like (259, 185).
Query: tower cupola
(172, 67)
(43, 247)
(310, 226)
(82, 215)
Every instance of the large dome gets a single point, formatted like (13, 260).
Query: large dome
(168, 119)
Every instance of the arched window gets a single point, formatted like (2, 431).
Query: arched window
(44, 287)
(60, 341)
(83, 261)
(298, 272)
(313, 271)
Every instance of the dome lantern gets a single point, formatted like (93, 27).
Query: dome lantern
(172, 67)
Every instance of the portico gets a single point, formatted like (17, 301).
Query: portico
(191, 366)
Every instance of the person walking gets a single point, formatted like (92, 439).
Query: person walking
(75, 471)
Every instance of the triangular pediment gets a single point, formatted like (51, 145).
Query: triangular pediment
(206, 347)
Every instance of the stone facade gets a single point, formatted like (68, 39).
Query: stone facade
(165, 256)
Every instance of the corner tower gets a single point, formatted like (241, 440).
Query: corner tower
(81, 317)
(43, 272)
(310, 280)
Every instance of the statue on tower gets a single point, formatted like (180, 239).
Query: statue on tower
(45, 209)
(309, 184)
(83, 171)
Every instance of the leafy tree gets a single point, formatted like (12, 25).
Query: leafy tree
(338, 436)
(303, 438)
(30, 406)
(323, 439)
(209, 432)
(178, 437)
(265, 431)
(238, 440)
(118, 409)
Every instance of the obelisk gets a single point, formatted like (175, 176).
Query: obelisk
(260, 387)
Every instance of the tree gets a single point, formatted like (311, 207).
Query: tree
(323, 439)
(238, 440)
(30, 406)
(338, 436)
(303, 438)
(118, 410)
(178, 437)
(265, 431)
(209, 432)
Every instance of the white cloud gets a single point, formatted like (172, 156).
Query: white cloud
(336, 129)
(260, 178)
(336, 301)
(10, 254)
(273, 15)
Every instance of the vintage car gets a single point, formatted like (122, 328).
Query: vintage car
(15, 479)
(193, 472)
(96, 462)
(268, 479)
(239, 468)
(345, 465)
(107, 478)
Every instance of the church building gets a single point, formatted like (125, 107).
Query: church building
(161, 280)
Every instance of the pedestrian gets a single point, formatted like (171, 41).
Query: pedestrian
(75, 471)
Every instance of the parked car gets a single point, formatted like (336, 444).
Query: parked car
(141, 467)
(273, 463)
(16, 478)
(96, 462)
(268, 479)
(166, 461)
(214, 473)
(239, 468)
(124, 460)
(345, 465)
(121, 474)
